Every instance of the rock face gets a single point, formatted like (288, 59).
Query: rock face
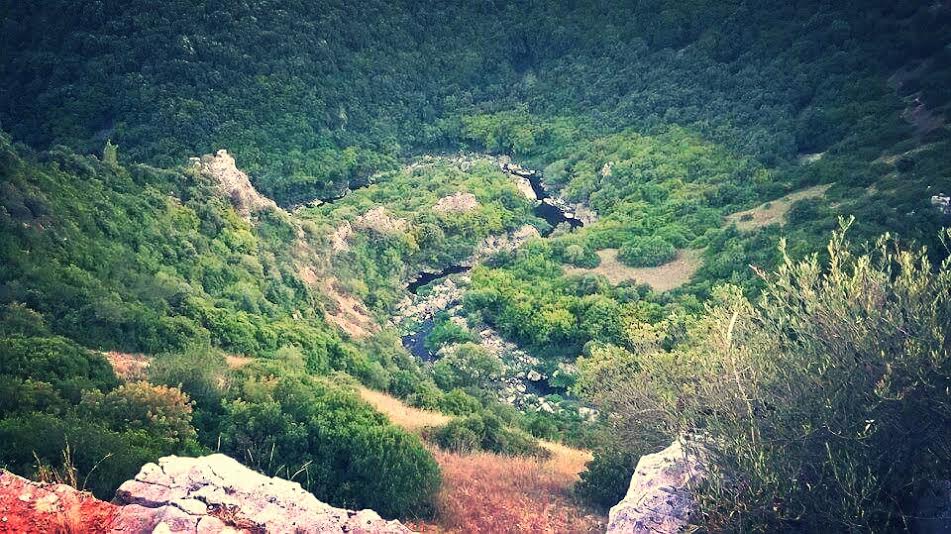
(659, 500)
(233, 183)
(212, 494)
(217, 494)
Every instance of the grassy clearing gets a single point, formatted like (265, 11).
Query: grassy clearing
(773, 212)
(489, 493)
(670, 275)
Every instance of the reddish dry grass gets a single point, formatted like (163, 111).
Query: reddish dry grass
(129, 367)
(488, 493)
(494, 494)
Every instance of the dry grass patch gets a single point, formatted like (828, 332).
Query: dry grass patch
(399, 413)
(490, 493)
(670, 275)
(127, 366)
(773, 212)
(237, 362)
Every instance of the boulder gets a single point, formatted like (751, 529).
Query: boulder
(217, 494)
(456, 203)
(378, 220)
(659, 499)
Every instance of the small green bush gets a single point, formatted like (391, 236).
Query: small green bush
(607, 477)
(337, 446)
(484, 432)
(467, 366)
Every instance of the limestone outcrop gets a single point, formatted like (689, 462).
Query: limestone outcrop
(659, 500)
(209, 495)
(217, 494)
(460, 202)
(378, 220)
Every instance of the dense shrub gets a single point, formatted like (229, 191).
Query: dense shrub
(447, 333)
(607, 477)
(646, 252)
(467, 366)
(161, 411)
(66, 366)
(334, 444)
(103, 458)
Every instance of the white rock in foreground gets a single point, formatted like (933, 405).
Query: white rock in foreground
(659, 500)
(217, 494)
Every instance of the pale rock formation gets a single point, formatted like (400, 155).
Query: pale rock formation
(660, 499)
(339, 239)
(233, 183)
(378, 220)
(217, 494)
(456, 203)
(525, 187)
(503, 243)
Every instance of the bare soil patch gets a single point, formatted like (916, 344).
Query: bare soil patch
(773, 212)
(27, 506)
(670, 275)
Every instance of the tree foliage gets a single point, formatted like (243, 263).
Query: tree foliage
(823, 403)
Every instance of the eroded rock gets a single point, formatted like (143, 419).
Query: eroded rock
(378, 220)
(233, 183)
(660, 498)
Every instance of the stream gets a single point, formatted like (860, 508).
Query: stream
(545, 209)
(415, 343)
(427, 277)
(551, 213)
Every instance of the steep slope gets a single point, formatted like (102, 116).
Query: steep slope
(191, 267)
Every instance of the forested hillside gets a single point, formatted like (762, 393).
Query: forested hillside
(312, 95)
(604, 223)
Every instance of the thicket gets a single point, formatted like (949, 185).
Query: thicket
(822, 405)
(139, 259)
